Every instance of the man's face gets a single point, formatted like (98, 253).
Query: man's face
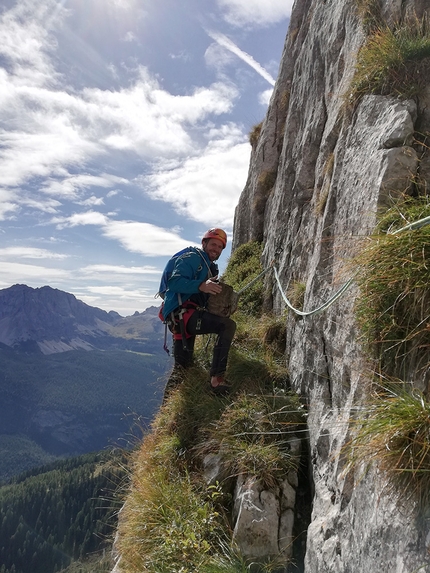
(213, 248)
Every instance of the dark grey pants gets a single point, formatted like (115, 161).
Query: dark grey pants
(203, 322)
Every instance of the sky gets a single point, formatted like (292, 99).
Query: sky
(124, 131)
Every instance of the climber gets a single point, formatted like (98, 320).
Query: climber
(194, 278)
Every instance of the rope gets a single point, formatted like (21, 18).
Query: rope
(321, 308)
(411, 226)
(415, 225)
(254, 280)
(288, 303)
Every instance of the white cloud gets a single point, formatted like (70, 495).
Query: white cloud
(226, 43)
(12, 273)
(71, 186)
(109, 290)
(8, 203)
(131, 6)
(6, 209)
(50, 131)
(125, 300)
(264, 97)
(182, 55)
(134, 236)
(26, 39)
(130, 37)
(119, 270)
(216, 56)
(87, 218)
(92, 201)
(256, 13)
(145, 238)
(45, 205)
(40, 144)
(29, 253)
(206, 188)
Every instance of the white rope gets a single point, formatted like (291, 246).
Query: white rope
(288, 303)
(414, 225)
(254, 280)
(321, 308)
(411, 226)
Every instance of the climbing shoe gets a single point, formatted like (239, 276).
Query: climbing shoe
(221, 387)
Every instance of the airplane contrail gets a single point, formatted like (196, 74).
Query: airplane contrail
(229, 45)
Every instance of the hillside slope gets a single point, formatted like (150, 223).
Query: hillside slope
(61, 514)
(49, 320)
(73, 378)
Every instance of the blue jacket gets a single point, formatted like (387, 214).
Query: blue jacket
(190, 270)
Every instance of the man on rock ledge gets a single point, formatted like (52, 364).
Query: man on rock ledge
(194, 278)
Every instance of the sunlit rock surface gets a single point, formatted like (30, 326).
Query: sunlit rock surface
(336, 165)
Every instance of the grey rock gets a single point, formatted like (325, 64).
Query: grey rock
(337, 165)
(256, 512)
(214, 469)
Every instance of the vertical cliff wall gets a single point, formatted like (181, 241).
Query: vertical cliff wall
(320, 171)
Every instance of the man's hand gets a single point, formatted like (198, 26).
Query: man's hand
(210, 287)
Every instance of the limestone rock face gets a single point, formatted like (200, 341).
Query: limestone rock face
(334, 166)
(256, 511)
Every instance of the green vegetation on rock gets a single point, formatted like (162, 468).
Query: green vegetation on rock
(394, 432)
(58, 515)
(243, 266)
(394, 278)
(394, 60)
(392, 428)
(173, 519)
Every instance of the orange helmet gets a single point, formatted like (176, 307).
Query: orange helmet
(216, 234)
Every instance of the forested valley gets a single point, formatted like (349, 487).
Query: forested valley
(62, 516)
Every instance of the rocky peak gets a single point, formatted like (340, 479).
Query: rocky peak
(51, 320)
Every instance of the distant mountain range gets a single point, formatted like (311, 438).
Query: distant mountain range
(73, 378)
(50, 321)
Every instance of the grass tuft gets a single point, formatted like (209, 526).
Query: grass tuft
(393, 308)
(394, 432)
(172, 521)
(265, 183)
(255, 134)
(253, 436)
(394, 61)
(243, 266)
(296, 294)
(370, 13)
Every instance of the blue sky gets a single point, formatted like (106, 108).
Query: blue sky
(124, 135)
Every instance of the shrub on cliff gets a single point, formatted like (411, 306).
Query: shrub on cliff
(394, 432)
(244, 265)
(254, 134)
(394, 278)
(394, 61)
